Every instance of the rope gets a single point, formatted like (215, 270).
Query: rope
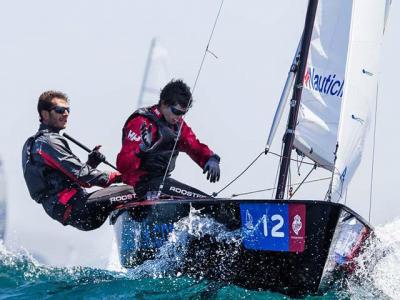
(215, 194)
(191, 99)
(301, 183)
(237, 177)
(277, 171)
(373, 158)
(274, 188)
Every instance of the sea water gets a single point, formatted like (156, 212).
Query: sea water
(22, 277)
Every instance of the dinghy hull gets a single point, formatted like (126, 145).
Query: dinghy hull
(293, 247)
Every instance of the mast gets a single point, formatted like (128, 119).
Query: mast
(295, 102)
(146, 72)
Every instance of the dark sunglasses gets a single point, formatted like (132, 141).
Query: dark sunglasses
(60, 109)
(177, 112)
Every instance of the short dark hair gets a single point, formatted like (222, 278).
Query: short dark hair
(176, 92)
(45, 98)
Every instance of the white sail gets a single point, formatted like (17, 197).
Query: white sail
(340, 85)
(156, 75)
(3, 203)
(361, 87)
(324, 82)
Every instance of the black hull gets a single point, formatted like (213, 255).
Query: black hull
(285, 255)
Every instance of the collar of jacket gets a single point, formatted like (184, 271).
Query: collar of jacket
(47, 128)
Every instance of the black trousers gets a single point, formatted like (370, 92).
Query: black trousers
(89, 211)
(171, 187)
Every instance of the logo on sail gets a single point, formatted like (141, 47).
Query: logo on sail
(297, 224)
(324, 84)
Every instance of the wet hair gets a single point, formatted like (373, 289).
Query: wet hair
(45, 99)
(176, 92)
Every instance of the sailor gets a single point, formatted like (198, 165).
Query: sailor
(57, 179)
(148, 153)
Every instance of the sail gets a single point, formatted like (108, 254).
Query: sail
(156, 74)
(3, 203)
(324, 82)
(361, 88)
(340, 82)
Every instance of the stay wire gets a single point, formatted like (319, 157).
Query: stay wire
(373, 157)
(191, 99)
(301, 183)
(277, 171)
(215, 194)
(274, 188)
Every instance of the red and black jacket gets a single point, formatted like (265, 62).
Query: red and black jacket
(137, 166)
(52, 170)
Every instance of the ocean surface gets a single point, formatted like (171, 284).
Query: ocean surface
(22, 277)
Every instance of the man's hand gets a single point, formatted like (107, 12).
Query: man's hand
(147, 137)
(95, 157)
(212, 168)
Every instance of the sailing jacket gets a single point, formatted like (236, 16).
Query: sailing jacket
(53, 173)
(138, 166)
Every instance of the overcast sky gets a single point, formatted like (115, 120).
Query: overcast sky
(95, 51)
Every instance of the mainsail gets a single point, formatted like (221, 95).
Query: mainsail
(156, 74)
(340, 84)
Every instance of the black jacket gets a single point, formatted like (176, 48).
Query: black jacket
(50, 168)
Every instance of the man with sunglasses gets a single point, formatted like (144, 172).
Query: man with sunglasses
(152, 138)
(57, 179)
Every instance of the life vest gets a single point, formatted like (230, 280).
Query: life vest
(155, 162)
(42, 181)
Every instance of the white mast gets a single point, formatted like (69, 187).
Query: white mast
(156, 74)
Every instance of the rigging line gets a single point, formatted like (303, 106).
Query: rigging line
(301, 183)
(292, 159)
(207, 47)
(215, 194)
(277, 172)
(191, 99)
(289, 182)
(373, 156)
(274, 188)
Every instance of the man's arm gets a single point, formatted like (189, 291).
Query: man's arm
(54, 151)
(128, 161)
(189, 144)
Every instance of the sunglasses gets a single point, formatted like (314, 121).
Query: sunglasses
(60, 109)
(177, 112)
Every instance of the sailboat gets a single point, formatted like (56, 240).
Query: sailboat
(3, 203)
(295, 247)
(156, 74)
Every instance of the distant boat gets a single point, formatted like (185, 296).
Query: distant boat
(156, 74)
(295, 247)
(3, 202)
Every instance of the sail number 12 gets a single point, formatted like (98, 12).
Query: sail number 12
(275, 232)
(273, 226)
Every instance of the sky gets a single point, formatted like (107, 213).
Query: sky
(95, 51)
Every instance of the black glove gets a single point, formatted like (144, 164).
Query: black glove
(147, 137)
(95, 157)
(212, 168)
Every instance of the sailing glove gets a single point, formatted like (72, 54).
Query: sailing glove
(147, 138)
(212, 168)
(95, 157)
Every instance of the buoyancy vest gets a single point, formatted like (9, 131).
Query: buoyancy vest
(155, 162)
(42, 181)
